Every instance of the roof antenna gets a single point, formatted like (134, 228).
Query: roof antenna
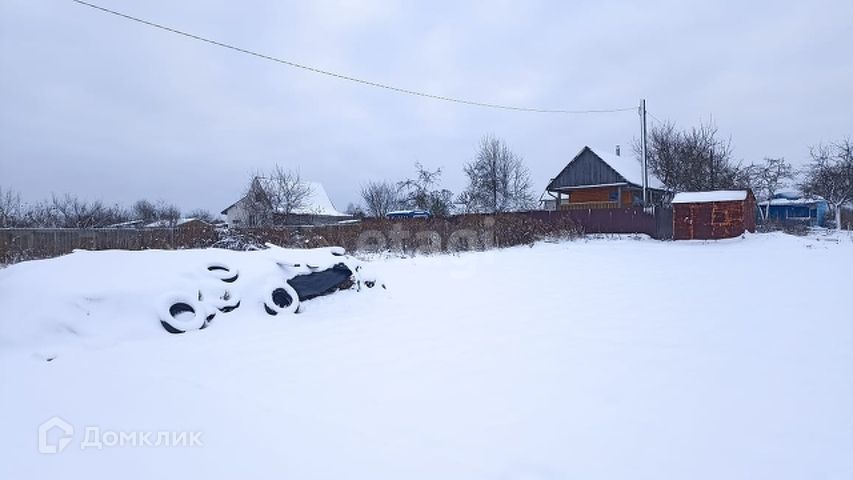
(618, 150)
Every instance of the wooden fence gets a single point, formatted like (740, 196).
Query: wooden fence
(459, 232)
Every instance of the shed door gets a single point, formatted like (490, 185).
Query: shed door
(700, 214)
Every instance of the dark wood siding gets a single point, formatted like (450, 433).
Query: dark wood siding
(586, 169)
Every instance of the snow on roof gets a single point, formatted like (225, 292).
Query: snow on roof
(130, 223)
(318, 202)
(168, 223)
(789, 194)
(793, 201)
(629, 167)
(712, 196)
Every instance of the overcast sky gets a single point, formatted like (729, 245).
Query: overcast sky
(109, 109)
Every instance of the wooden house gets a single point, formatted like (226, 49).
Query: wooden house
(593, 180)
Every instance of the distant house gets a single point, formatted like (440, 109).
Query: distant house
(793, 207)
(547, 201)
(594, 179)
(185, 223)
(712, 215)
(128, 224)
(317, 210)
(182, 223)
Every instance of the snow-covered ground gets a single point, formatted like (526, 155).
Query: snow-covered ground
(594, 359)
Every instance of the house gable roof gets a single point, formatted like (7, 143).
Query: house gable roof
(317, 203)
(590, 168)
(177, 223)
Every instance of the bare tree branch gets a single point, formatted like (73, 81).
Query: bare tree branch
(498, 180)
(379, 198)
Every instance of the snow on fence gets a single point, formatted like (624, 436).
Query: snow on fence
(459, 232)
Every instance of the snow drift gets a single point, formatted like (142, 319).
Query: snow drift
(95, 298)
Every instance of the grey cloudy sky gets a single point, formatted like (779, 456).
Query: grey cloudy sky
(105, 108)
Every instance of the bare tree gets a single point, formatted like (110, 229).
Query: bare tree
(275, 196)
(72, 212)
(423, 192)
(498, 180)
(465, 203)
(287, 192)
(150, 212)
(11, 209)
(114, 214)
(256, 204)
(168, 214)
(202, 214)
(144, 210)
(355, 210)
(767, 178)
(830, 175)
(691, 160)
(379, 198)
(39, 215)
(69, 211)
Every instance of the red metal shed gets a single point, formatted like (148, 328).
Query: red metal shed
(712, 215)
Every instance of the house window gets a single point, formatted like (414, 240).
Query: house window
(799, 213)
(636, 199)
(614, 195)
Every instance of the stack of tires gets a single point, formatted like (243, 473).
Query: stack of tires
(219, 287)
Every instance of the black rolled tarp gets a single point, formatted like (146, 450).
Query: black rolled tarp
(315, 284)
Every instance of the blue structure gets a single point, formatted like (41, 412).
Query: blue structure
(794, 207)
(409, 214)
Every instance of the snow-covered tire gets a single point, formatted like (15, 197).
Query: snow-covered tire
(182, 313)
(281, 298)
(229, 308)
(225, 302)
(223, 272)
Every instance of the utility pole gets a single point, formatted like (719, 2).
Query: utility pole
(645, 153)
(711, 166)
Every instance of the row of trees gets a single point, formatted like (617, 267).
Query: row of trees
(698, 159)
(691, 160)
(498, 181)
(69, 211)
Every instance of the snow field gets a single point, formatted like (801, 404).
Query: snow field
(590, 359)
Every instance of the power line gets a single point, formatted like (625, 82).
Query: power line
(655, 118)
(342, 76)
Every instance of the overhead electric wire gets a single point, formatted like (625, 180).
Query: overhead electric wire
(655, 118)
(346, 77)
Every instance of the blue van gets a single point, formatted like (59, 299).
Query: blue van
(397, 214)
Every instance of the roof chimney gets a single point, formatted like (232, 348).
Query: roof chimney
(618, 151)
